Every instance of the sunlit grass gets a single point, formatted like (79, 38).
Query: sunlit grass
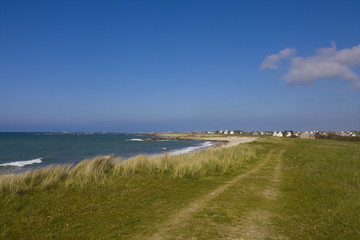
(41, 178)
(98, 171)
(191, 165)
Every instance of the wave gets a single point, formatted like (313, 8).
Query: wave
(191, 149)
(21, 163)
(136, 140)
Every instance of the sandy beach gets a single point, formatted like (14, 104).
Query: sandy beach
(224, 142)
(230, 141)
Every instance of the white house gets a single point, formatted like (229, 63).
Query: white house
(278, 134)
(288, 134)
(232, 132)
(226, 132)
(307, 134)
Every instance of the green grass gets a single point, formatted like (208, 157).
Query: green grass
(317, 194)
(321, 190)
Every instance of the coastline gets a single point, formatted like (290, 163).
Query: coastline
(208, 142)
(222, 142)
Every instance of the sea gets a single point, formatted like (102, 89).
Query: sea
(28, 151)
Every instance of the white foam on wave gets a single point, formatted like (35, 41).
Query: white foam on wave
(135, 140)
(191, 149)
(21, 163)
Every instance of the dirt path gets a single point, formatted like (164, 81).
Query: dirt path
(257, 223)
(250, 227)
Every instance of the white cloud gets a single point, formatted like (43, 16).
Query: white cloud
(271, 61)
(327, 63)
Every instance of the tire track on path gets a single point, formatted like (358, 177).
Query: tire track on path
(178, 219)
(257, 223)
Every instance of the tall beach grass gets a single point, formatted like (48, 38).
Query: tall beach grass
(100, 170)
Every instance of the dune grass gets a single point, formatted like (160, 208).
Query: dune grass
(41, 178)
(100, 170)
(192, 165)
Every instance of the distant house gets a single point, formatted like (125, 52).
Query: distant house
(255, 133)
(324, 134)
(346, 134)
(232, 132)
(288, 134)
(278, 134)
(226, 132)
(307, 135)
(221, 131)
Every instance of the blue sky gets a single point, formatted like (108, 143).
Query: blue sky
(179, 65)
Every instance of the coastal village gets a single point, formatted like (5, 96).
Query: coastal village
(355, 135)
(288, 133)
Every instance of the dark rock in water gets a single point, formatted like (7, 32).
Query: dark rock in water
(153, 139)
(148, 140)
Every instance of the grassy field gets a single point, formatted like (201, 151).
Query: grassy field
(269, 189)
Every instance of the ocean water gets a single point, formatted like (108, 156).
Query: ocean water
(27, 151)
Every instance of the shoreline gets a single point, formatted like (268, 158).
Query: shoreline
(222, 142)
(218, 142)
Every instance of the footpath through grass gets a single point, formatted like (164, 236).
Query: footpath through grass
(268, 189)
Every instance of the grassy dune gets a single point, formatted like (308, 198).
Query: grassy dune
(103, 170)
(271, 188)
